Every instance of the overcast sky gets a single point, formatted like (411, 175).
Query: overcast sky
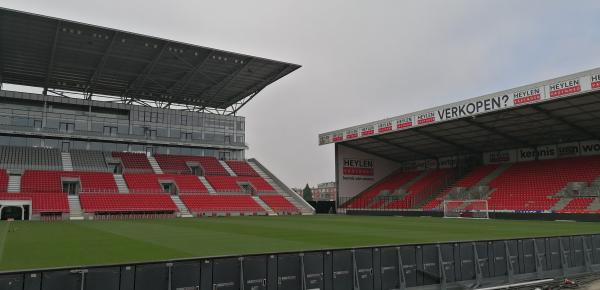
(361, 60)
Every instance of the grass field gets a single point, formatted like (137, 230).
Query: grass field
(51, 244)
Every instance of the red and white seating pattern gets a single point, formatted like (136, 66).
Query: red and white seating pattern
(421, 189)
(467, 181)
(390, 184)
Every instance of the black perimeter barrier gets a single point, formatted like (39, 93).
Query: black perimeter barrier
(452, 265)
(493, 215)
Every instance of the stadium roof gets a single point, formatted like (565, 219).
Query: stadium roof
(556, 111)
(58, 54)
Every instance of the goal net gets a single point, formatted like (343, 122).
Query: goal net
(475, 208)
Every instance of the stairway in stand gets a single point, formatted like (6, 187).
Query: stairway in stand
(227, 168)
(154, 164)
(183, 210)
(14, 183)
(296, 200)
(66, 161)
(121, 184)
(75, 208)
(260, 202)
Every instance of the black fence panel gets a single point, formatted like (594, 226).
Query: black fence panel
(255, 272)
(528, 256)
(226, 274)
(363, 268)
(272, 275)
(152, 276)
(61, 280)
(553, 253)
(596, 249)
(410, 261)
(431, 266)
(127, 278)
(468, 263)
(11, 282)
(577, 252)
(498, 249)
(206, 275)
(483, 259)
(446, 255)
(289, 272)
(102, 278)
(390, 269)
(343, 272)
(33, 281)
(313, 270)
(185, 275)
(328, 270)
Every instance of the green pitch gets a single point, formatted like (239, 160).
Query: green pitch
(25, 245)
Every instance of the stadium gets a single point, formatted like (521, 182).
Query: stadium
(129, 171)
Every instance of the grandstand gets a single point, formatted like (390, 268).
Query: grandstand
(128, 126)
(131, 134)
(531, 151)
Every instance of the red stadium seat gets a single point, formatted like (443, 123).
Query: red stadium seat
(578, 205)
(133, 162)
(118, 202)
(422, 189)
(467, 181)
(3, 180)
(279, 204)
(241, 168)
(178, 164)
(150, 183)
(230, 183)
(390, 183)
(531, 185)
(41, 202)
(44, 181)
(212, 203)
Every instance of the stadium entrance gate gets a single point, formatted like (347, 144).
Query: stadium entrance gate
(454, 265)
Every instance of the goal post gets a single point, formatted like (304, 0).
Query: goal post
(472, 208)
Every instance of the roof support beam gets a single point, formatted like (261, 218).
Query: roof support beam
(100, 66)
(191, 66)
(189, 75)
(252, 92)
(225, 82)
(369, 152)
(497, 132)
(402, 147)
(52, 55)
(570, 124)
(147, 70)
(444, 140)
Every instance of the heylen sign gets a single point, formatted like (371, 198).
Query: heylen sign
(358, 167)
